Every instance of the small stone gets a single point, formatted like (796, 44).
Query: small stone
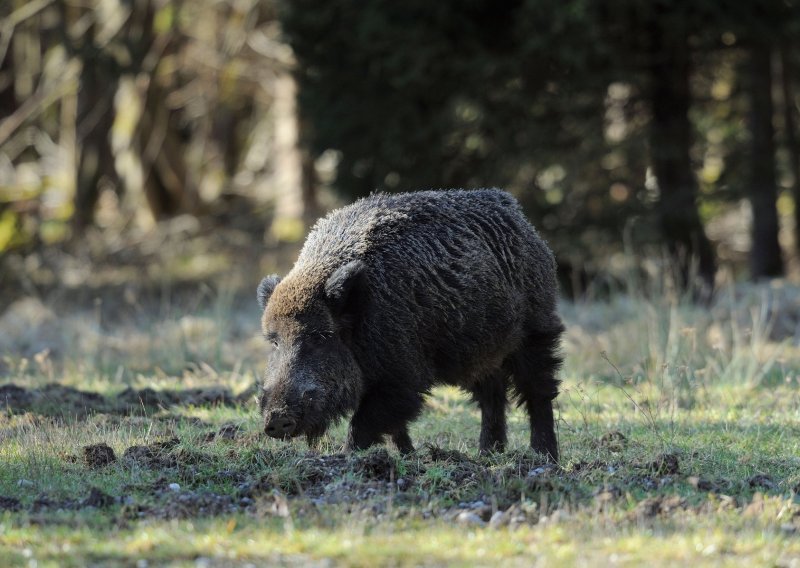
(402, 484)
(499, 518)
(468, 518)
(174, 487)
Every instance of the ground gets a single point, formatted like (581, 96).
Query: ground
(129, 435)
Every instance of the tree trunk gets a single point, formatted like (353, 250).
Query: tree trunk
(8, 100)
(765, 255)
(98, 83)
(790, 126)
(670, 142)
(167, 186)
(295, 180)
(309, 181)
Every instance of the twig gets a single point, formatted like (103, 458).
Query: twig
(28, 10)
(36, 104)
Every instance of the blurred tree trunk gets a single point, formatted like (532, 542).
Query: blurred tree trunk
(308, 173)
(670, 141)
(765, 255)
(99, 79)
(295, 178)
(8, 100)
(790, 126)
(167, 184)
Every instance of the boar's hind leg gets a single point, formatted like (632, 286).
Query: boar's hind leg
(490, 394)
(382, 413)
(403, 441)
(536, 365)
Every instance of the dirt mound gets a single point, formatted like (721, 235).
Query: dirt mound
(150, 398)
(665, 464)
(377, 465)
(661, 505)
(9, 504)
(15, 398)
(613, 441)
(228, 431)
(154, 456)
(437, 454)
(762, 481)
(98, 455)
(63, 401)
(52, 400)
(95, 498)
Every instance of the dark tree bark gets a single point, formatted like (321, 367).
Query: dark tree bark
(765, 255)
(790, 126)
(98, 82)
(8, 100)
(308, 174)
(167, 185)
(670, 142)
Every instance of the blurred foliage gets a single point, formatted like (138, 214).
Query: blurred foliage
(546, 98)
(549, 99)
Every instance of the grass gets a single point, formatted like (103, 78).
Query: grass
(679, 431)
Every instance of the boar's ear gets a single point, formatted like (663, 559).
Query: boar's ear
(266, 288)
(341, 289)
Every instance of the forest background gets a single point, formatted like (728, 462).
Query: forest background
(639, 136)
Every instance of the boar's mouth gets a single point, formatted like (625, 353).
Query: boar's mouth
(282, 425)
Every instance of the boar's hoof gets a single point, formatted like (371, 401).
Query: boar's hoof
(281, 427)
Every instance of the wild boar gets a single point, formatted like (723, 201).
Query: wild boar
(398, 293)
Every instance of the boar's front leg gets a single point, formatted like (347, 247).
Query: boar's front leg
(381, 413)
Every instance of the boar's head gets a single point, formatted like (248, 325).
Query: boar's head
(312, 377)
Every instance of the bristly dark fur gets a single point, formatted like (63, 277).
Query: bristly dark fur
(397, 293)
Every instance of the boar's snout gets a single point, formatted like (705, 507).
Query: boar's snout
(280, 426)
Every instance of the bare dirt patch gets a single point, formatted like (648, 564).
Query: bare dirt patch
(150, 398)
(96, 498)
(52, 399)
(63, 401)
(157, 455)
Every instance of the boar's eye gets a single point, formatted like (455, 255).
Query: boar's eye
(318, 338)
(273, 339)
